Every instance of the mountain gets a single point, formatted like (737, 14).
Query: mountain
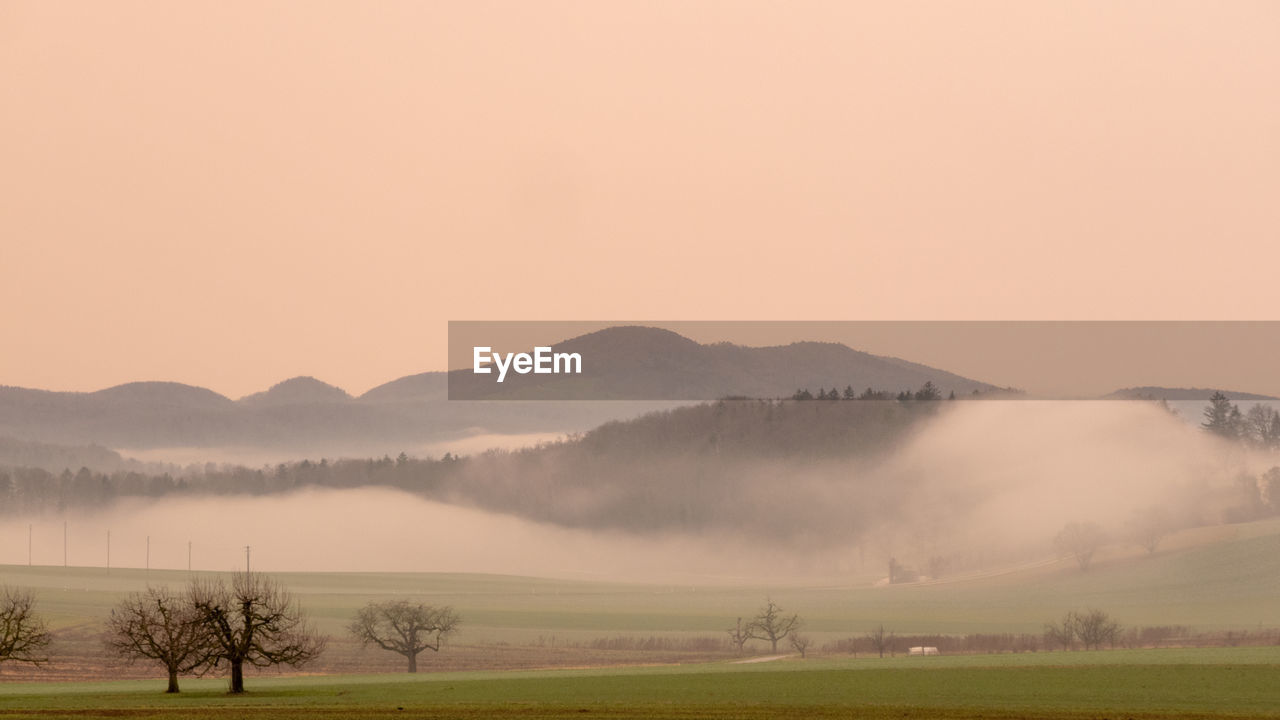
(644, 363)
(297, 391)
(423, 387)
(161, 413)
(1154, 392)
(626, 369)
(160, 394)
(54, 458)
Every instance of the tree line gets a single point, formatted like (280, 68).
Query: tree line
(1091, 629)
(251, 621)
(696, 468)
(927, 393)
(1258, 427)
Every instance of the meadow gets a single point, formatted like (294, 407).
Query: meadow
(555, 647)
(1218, 577)
(1219, 682)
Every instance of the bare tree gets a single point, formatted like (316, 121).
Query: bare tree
(159, 625)
(404, 628)
(255, 621)
(1080, 540)
(1095, 627)
(881, 641)
(1260, 425)
(1148, 527)
(770, 624)
(23, 634)
(800, 643)
(1062, 633)
(739, 634)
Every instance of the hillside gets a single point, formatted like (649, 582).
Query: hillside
(423, 387)
(56, 458)
(644, 363)
(1154, 392)
(630, 368)
(1212, 583)
(156, 413)
(708, 467)
(297, 391)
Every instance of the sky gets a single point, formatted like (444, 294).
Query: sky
(228, 194)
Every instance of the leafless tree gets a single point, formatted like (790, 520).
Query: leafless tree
(1062, 633)
(161, 626)
(880, 640)
(1095, 627)
(800, 643)
(770, 624)
(1080, 540)
(23, 634)
(1148, 527)
(739, 634)
(404, 627)
(1261, 425)
(255, 621)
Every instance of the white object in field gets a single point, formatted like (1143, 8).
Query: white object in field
(922, 650)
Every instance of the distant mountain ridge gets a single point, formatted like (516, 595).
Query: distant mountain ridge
(296, 391)
(304, 414)
(423, 387)
(1150, 392)
(644, 363)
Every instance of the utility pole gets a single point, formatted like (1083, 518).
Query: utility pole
(246, 559)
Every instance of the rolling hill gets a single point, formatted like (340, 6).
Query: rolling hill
(297, 391)
(1154, 392)
(305, 415)
(644, 363)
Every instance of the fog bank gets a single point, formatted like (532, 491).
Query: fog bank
(980, 484)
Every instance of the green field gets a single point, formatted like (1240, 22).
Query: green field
(1224, 682)
(518, 630)
(1224, 577)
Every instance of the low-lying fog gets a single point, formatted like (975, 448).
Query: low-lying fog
(470, 443)
(992, 482)
(370, 529)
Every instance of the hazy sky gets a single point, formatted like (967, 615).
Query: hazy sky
(231, 193)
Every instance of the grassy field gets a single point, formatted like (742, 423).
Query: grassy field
(1208, 578)
(1222, 682)
(516, 628)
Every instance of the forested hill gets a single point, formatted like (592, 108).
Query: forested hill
(714, 465)
(301, 416)
(305, 416)
(1152, 392)
(635, 362)
(756, 429)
